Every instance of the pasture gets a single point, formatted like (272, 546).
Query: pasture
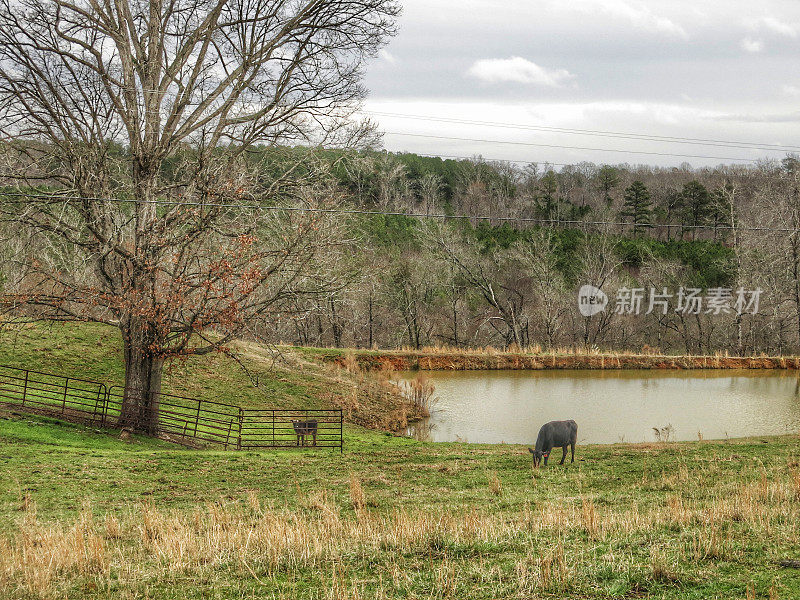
(84, 514)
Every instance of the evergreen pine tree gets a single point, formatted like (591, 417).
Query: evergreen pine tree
(696, 204)
(637, 207)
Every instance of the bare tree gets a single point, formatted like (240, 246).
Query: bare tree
(537, 259)
(495, 276)
(599, 265)
(158, 102)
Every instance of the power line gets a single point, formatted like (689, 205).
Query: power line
(475, 158)
(599, 133)
(540, 145)
(348, 211)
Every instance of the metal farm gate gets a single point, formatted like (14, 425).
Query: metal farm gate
(181, 419)
(264, 428)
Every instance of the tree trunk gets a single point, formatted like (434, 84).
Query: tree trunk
(371, 322)
(337, 329)
(455, 322)
(140, 404)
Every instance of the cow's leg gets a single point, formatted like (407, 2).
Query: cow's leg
(315, 437)
(546, 456)
(573, 451)
(563, 454)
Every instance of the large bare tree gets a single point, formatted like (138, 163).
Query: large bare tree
(140, 118)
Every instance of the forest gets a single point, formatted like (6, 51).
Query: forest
(420, 251)
(504, 249)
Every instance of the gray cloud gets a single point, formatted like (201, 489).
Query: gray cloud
(792, 117)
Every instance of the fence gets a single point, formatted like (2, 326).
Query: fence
(72, 397)
(264, 428)
(185, 419)
(181, 419)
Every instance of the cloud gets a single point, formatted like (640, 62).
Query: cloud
(637, 14)
(774, 25)
(386, 56)
(517, 70)
(791, 90)
(788, 117)
(750, 45)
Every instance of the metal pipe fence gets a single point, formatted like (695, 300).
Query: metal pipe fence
(266, 428)
(35, 391)
(181, 419)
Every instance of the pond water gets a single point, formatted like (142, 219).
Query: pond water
(610, 406)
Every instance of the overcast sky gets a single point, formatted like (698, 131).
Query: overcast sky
(724, 70)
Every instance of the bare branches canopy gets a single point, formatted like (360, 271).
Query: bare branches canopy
(152, 100)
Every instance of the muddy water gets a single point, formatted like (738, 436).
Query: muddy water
(610, 406)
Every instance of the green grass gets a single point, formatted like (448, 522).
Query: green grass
(672, 520)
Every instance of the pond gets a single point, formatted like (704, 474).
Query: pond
(610, 406)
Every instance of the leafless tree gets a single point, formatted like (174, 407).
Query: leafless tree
(495, 276)
(599, 265)
(154, 102)
(537, 259)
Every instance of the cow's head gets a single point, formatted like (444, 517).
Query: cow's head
(538, 455)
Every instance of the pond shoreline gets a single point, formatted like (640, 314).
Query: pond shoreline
(431, 361)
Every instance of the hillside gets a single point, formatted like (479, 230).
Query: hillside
(257, 376)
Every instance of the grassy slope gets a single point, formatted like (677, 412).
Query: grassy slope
(92, 351)
(680, 520)
(271, 378)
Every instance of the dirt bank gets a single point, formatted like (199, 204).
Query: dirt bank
(409, 361)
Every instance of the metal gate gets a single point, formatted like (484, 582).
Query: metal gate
(316, 428)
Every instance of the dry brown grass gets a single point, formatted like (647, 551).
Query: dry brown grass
(495, 485)
(350, 363)
(420, 392)
(357, 497)
(258, 541)
(589, 518)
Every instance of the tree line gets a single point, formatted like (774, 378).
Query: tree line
(496, 278)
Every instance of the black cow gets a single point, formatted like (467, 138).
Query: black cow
(553, 435)
(302, 428)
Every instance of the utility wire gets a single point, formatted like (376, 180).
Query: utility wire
(348, 211)
(478, 157)
(598, 133)
(539, 145)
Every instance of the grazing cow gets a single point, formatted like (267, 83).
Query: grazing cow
(553, 435)
(305, 427)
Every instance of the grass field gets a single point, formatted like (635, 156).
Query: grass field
(86, 515)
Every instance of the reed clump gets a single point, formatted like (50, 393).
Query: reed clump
(420, 392)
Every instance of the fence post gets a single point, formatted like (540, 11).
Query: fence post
(106, 402)
(64, 403)
(241, 418)
(197, 419)
(25, 388)
(96, 402)
(228, 438)
(273, 427)
(341, 433)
